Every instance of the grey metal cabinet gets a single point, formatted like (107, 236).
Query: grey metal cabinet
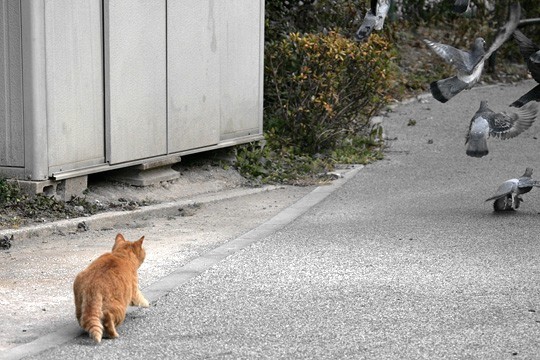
(95, 85)
(193, 29)
(135, 32)
(222, 99)
(11, 105)
(74, 85)
(242, 42)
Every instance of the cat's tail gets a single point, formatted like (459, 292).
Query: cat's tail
(91, 317)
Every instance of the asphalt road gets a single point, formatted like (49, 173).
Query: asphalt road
(404, 261)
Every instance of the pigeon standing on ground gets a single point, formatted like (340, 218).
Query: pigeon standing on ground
(505, 203)
(460, 6)
(374, 19)
(486, 122)
(469, 64)
(507, 196)
(531, 53)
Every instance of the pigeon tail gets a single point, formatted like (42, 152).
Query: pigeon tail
(532, 95)
(477, 147)
(445, 89)
(367, 26)
(526, 45)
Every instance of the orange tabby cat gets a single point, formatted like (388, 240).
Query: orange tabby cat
(107, 286)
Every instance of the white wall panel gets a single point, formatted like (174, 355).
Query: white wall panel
(74, 73)
(193, 73)
(240, 48)
(11, 105)
(135, 42)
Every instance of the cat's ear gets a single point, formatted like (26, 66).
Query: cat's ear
(140, 241)
(119, 239)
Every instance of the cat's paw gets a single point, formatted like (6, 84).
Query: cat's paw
(144, 303)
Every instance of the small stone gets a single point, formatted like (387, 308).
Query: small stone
(5, 242)
(82, 226)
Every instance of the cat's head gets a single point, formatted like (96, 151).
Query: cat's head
(121, 244)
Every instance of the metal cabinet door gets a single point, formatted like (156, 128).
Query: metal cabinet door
(11, 106)
(74, 74)
(241, 49)
(193, 73)
(135, 79)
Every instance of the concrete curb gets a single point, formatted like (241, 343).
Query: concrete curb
(192, 269)
(111, 218)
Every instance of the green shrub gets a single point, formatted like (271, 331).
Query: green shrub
(311, 16)
(9, 193)
(360, 149)
(321, 89)
(270, 165)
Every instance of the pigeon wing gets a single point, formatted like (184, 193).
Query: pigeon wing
(507, 30)
(460, 59)
(507, 126)
(506, 188)
(531, 95)
(528, 183)
(526, 46)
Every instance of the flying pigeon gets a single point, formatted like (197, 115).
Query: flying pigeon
(507, 196)
(469, 64)
(487, 123)
(460, 6)
(374, 19)
(531, 53)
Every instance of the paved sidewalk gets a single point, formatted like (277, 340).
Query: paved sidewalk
(405, 260)
(69, 330)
